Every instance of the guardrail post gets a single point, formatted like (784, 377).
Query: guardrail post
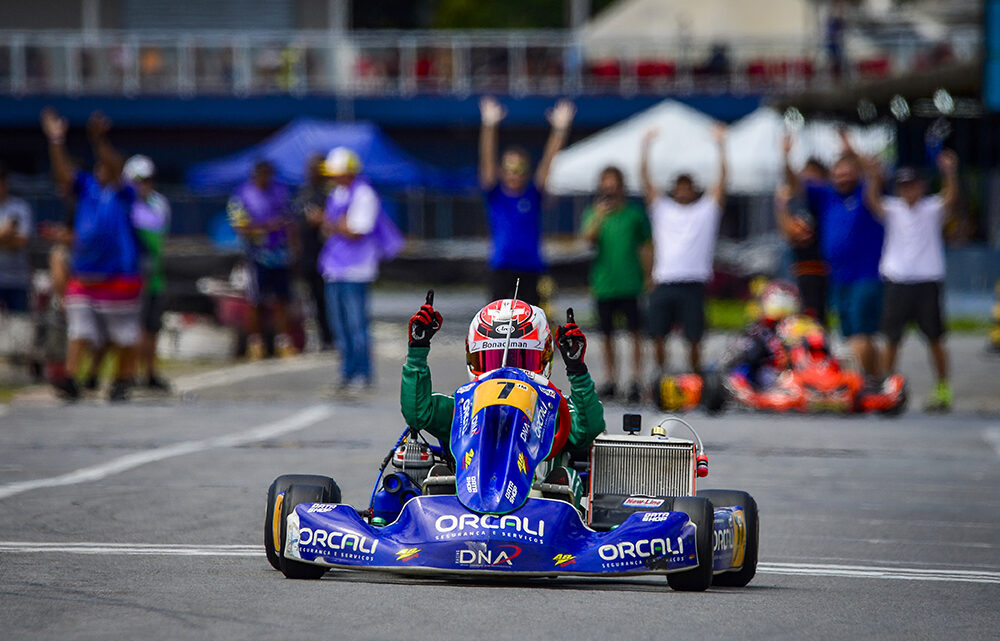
(407, 66)
(242, 67)
(517, 71)
(72, 75)
(18, 66)
(460, 81)
(130, 66)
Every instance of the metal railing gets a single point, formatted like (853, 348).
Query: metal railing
(458, 63)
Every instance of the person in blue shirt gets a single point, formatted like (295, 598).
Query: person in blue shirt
(102, 296)
(850, 239)
(514, 200)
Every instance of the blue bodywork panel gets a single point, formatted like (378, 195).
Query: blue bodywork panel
(438, 534)
(504, 426)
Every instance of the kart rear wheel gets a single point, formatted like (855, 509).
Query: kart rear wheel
(294, 495)
(272, 520)
(726, 498)
(713, 394)
(702, 514)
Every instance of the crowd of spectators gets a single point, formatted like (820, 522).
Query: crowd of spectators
(876, 259)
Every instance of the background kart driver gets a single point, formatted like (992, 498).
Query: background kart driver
(424, 410)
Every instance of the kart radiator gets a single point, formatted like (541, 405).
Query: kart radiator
(642, 466)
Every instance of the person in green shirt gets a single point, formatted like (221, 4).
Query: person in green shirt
(151, 221)
(620, 233)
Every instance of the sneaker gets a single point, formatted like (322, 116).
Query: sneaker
(940, 399)
(119, 391)
(67, 388)
(634, 394)
(157, 384)
(606, 391)
(283, 346)
(255, 348)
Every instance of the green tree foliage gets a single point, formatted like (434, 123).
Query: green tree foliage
(506, 14)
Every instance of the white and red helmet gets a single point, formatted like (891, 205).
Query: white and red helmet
(530, 338)
(779, 300)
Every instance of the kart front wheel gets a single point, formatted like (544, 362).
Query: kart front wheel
(702, 514)
(727, 498)
(272, 512)
(295, 495)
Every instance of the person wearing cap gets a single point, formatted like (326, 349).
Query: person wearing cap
(15, 230)
(151, 221)
(514, 200)
(685, 226)
(358, 236)
(850, 240)
(912, 264)
(259, 213)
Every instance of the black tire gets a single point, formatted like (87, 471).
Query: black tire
(281, 484)
(702, 514)
(713, 393)
(726, 498)
(294, 495)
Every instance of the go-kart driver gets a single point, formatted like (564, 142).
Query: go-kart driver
(433, 413)
(762, 354)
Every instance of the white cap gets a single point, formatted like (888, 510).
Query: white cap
(341, 161)
(138, 168)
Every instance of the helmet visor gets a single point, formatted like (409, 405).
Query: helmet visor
(491, 359)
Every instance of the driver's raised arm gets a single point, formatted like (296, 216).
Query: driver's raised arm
(423, 409)
(585, 410)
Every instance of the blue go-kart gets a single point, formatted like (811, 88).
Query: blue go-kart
(491, 504)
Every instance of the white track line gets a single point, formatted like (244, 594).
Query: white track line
(879, 572)
(297, 421)
(245, 371)
(800, 569)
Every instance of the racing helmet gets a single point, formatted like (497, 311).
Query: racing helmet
(779, 300)
(528, 329)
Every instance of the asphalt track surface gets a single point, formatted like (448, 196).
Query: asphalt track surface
(144, 521)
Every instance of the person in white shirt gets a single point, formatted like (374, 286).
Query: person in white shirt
(912, 263)
(685, 227)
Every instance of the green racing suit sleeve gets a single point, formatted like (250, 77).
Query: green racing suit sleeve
(422, 409)
(432, 413)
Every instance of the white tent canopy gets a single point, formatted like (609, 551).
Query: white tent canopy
(685, 145)
(670, 26)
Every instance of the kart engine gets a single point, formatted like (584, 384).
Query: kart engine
(414, 459)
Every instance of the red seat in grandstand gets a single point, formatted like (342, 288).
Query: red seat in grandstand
(606, 69)
(424, 68)
(877, 67)
(655, 69)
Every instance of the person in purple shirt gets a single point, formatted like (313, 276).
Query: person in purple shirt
(259, 212)
(850, 239)
(514, 200)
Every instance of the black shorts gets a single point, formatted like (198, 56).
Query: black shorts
(151, 313)
(609, 307)
(919, 303)
(673, 303)
(269, 284)
(813, 292)
(502, 285)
